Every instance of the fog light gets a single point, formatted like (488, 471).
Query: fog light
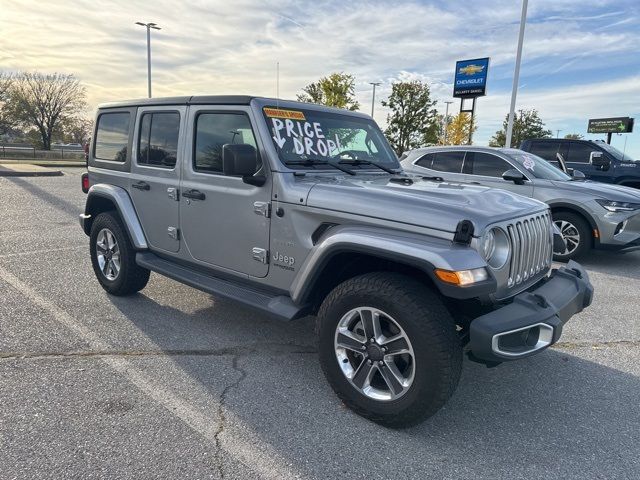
(462, 277)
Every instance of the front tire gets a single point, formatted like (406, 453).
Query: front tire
(114, 258)
(576, 233)
(389, 348)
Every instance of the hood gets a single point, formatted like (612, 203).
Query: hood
(606, 191)
(424, 203)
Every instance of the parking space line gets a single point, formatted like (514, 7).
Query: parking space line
(246, 453)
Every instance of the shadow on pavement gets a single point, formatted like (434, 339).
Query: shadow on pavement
(554, 414)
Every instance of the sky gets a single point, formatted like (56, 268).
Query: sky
(581, 59)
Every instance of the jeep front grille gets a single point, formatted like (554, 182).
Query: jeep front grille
(531, 247)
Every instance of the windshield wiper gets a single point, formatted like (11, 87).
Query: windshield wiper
(314, 161)
(360, 161)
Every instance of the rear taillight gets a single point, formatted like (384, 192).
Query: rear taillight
(85, 182)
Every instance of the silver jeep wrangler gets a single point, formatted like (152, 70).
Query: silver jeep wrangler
(296, 209)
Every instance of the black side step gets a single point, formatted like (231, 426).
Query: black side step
(279, 306)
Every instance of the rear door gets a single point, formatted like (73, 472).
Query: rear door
(225, 222)
(547, 149)
(155, 174)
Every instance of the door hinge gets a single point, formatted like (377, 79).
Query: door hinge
(260, 255)
(262, 208)
(172, 192)
(173, 232)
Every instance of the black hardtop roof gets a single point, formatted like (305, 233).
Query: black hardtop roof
(224, 100)
(185, 100)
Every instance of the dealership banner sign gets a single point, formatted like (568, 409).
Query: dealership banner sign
(610, 125)
(471, 78)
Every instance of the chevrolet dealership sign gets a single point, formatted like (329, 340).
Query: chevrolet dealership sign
(471, 78)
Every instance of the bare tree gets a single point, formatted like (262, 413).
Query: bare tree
(5, 84)
(44, 102)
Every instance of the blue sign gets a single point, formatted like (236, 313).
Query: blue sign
(471, 78)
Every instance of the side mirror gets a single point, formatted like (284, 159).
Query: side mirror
(514, 176)
(597, 159)
(578, 175)
(241, 160)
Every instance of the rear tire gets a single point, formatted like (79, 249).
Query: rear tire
(429, 371)
(577, 234)
(114, 258)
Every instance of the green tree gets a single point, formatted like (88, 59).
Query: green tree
(44, 102)
(336, 90)
(526, 124)
(573, 136)
(413, 121)
(458, 129)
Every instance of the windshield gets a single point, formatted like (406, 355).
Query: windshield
(305, 137)
(615, 152)
(538, 167)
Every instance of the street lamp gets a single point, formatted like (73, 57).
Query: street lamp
(373, 99)
(149, 26)
(516, 75)
(446, 120)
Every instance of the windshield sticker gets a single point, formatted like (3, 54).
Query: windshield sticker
(307, 137)
(279, 113)
(528, 163)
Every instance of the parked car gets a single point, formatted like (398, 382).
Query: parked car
(588, 214)
(297, 209)
(598, 160)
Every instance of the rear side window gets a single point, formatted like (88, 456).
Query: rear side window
(480, 163)
(579, 152)
(112, 136)
(448, 162)
(546, 150)
(158, 141)
(213, 130)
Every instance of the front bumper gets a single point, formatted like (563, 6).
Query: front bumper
(534, 319)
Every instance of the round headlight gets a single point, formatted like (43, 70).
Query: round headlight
(496, 248)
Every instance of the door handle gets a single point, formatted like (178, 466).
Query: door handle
(141, 186)
(194, 194)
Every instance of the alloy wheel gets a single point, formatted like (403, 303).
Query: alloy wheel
(374, 353)
(570, 234)
(108, 254)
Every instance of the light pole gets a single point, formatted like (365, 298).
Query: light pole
(373, 99)
(149, 26)
(446, 121)
(558, 133)
(516, 75)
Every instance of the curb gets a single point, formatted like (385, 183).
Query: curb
(11, 173)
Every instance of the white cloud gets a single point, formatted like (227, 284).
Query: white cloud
(232, 47)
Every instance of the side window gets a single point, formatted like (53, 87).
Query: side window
(112, 136)
(546, 150)
(579, 152)
(213, 130)
(480, 163)
(426, 161)
(158, 141)
(448, 162)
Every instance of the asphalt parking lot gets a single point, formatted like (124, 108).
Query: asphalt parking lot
(172, 383)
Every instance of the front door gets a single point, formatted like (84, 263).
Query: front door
(225, 222)
(577, 155)
(487, 169)
(155, 174)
